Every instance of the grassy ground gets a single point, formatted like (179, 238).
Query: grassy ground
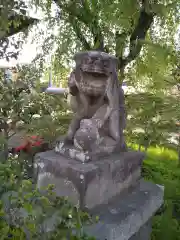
(161, 167)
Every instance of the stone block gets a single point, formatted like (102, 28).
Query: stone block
(89, 184)
(128, 217)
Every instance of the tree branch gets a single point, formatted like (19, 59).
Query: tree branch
(139, 33)
(24, 22)
(87, 17)
(79, 33)
(99, 42)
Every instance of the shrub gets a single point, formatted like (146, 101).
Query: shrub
(28, 213)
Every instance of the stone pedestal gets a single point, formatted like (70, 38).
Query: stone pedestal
(89, 184)
(128, 217)
(110, 188)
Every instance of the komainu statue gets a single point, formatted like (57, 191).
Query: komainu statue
(98, 103)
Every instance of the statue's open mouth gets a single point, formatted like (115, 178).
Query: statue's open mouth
(98, 74)
(95, 71)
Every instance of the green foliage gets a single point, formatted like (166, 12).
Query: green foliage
(25, 108)
(85, 24)
(27, 213)
(51, 118)
(13, 100)
(152, 118)
(30, 74)
(13, 20)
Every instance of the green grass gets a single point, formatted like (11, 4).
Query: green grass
(161, 167)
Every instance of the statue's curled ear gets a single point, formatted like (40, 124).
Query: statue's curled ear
(73, 90)
(112, 91)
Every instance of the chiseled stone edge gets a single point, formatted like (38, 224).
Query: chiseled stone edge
(128, 224)
(144, 232)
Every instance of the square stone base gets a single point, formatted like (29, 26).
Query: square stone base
(128, 217)
(89, 184)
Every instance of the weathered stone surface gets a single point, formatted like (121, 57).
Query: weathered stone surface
(144, 232)
(70, 151)
(92, 183)
(128, 217)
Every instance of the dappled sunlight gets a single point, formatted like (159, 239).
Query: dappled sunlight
(162, 153)
(158, 153)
